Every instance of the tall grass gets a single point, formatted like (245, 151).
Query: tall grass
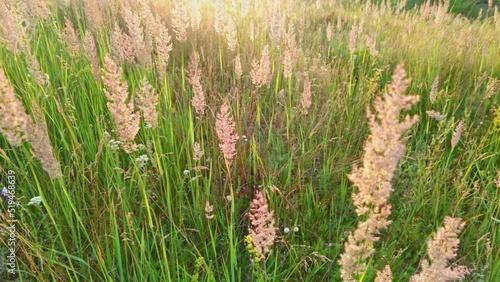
(298, 116)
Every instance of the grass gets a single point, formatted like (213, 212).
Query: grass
(109, 219)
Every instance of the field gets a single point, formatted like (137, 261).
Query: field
(212, 140)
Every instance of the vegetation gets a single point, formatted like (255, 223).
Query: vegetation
(249, 141)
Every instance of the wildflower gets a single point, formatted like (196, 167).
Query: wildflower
(142, 160)
(228, 198)
(295, 229)
(35, 201)
(208, 210)
(286, 230)
(262, 231)
(442, 248)
(5, 192)
(382, 152)
(185, 172)
(224, 126)
(114, 144)
(251, 249)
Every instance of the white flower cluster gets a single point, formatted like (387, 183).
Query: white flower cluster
(142, 160)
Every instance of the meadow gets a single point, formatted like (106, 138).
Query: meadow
(283, 140)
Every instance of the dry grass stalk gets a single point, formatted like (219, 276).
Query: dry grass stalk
(198, 152)
(329, 30)
(13, 119)
(163, 45)
(441, 249)
(224, 126)
(275, 21)
(434, 90)
(39, 7)
(352, 38)
(194, 14)
(306, 96)
(149, 21)
(231, 35)
(91, 52)
(371, 46)
(262, 231)
(121, 45)
(435, 115)
(492, 88)
(71, 37)
(238, 70)
(385, 275)
(147, 101)
(194, 78)
(94, 14)
(287, 63)
(126, 120)
(17, 127)
(496, 17)
(382, 152)
(291, 42)
(41, 148)
(261, 70)
(12, 30)
(219, 17)
(457, 133)
(136, 34)
(180, 21)
(290, 52)
(251, 31)
(34, 68)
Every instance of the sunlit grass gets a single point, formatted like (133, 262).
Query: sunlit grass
(111, 219)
